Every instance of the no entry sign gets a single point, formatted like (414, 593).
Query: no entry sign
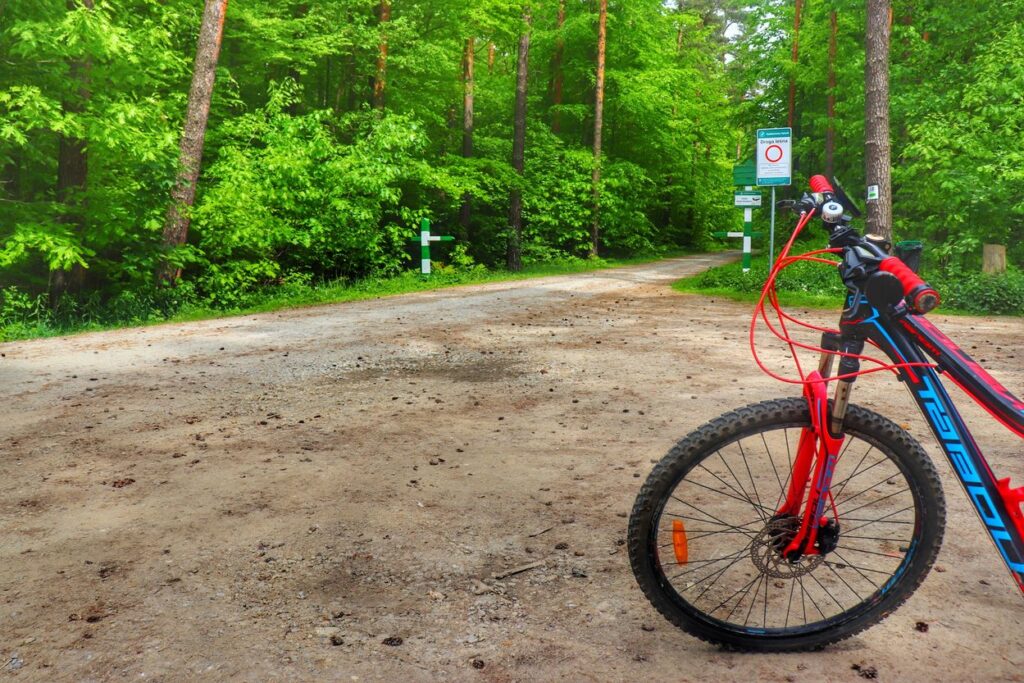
(775, 156)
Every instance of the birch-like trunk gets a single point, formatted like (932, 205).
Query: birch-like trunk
(211, 34)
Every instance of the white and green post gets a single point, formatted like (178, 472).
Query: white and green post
(747, 199)
(425, 239)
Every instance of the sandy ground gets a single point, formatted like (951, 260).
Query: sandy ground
(285, 496)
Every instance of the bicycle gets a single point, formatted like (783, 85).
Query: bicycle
(794, 523)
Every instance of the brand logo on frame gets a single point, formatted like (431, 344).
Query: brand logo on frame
(964, 463)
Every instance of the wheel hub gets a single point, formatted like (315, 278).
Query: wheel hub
(766, 550)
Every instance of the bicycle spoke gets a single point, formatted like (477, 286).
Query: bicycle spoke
(841, 485)
(871, 552)
(855, 568)
(843, 501)
(715, 519)
(746, 464)
(738, 482)
(880, 520)
(723, 493)
(703, 563)
(876, 502)
(775, 470)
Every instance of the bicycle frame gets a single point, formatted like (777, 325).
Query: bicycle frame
(905, 338)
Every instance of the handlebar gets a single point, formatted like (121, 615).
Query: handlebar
(920, 296)
(863, 257)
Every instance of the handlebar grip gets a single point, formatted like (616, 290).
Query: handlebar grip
(821, 185)
(921, 296)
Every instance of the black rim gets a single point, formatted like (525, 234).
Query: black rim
(734, 578)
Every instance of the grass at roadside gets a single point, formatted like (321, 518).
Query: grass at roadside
(789, 299)
(812, 285)
(284, 297)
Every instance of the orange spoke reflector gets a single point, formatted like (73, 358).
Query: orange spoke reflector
(679, 542)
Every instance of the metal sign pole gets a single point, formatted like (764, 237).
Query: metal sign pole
(771, 236)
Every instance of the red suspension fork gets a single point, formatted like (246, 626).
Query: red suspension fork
(820, 444)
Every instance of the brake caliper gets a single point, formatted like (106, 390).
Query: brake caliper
(828, 536)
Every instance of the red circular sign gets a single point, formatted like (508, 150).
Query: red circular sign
(773, 151)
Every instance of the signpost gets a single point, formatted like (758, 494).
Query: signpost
(744, 175)
(774, 169)
(425, 239)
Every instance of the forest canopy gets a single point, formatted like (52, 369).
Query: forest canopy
(335, 126)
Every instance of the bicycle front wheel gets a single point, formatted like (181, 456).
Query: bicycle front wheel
(705, 540)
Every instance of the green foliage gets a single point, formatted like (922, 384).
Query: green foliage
(956, 112)
(303, 182)
(803, 277)
(819, 284)
(285, 197)
(1001, 294)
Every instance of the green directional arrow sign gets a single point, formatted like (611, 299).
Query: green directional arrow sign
(745, 173)
(425, 239)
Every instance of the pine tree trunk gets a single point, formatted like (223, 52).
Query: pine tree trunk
(602, 39)
(876, 118)
(830, 133)
(467, 125)
(380, 80)
(72, 163)
(558, 76)
(796, 58)
(490, 57)
(211, 34)
(680, 7)
(514, 255)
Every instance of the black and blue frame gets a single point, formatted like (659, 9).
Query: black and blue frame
(906, 338)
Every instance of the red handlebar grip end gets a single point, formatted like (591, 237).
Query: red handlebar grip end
(926, 300)
(821, 184)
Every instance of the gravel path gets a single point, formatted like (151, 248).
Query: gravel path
(330, 493)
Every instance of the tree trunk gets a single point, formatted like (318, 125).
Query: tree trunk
(830, 134)
(382, 56)
(211, 33)
(796, 58)
(558, 77)
(602, 39)
(993, 258)
(514, 254)
(467, 125)
(490, 57)
(680, 7)
(876, 118)
(72, 163)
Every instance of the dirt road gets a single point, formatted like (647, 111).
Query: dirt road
(327, 494)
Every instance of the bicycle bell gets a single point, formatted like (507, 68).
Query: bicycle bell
(832, 212)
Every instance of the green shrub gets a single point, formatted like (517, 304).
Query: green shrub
(971, 292)
(980, 293)
(810, 278)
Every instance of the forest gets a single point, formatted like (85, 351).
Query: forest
(532, 132)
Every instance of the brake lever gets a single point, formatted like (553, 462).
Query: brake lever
(785, 204)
